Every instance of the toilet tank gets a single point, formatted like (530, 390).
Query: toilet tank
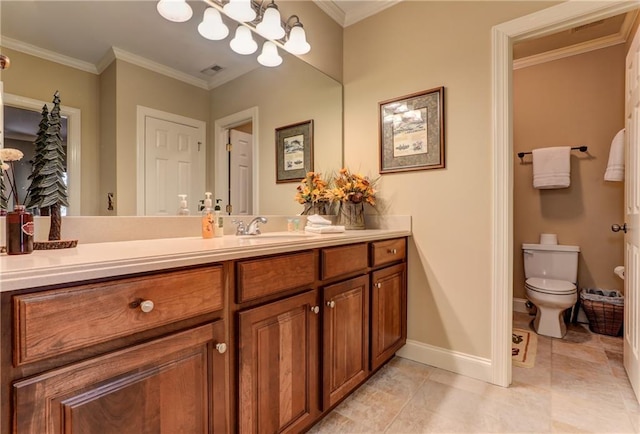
(551, 261)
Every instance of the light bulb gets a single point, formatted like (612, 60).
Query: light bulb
(297, 42)
(270, 27)
(177, 11)
(240, 10)
(243, 43)
(269, 56)
(212, 26)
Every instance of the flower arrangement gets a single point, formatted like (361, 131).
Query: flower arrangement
(352, 187)
(312, 189)
(11, 155)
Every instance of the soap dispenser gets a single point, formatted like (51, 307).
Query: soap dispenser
(207, 217)
(183, 209)
(218, 228)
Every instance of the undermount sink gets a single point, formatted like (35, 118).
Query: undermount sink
(278, 235)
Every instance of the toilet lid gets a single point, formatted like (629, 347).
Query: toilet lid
(550, 286)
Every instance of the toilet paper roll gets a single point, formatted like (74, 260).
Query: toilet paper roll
(548, 239)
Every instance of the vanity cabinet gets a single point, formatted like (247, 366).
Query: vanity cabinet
(278, 365)
(135, 355)
(345, 334)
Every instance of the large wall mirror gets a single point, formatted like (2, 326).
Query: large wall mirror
(125, 72)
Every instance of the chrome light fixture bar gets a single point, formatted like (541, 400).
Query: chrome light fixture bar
(251, 17)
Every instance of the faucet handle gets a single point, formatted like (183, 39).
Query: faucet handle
(240, 229)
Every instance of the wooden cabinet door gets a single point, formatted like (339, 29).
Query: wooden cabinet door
(278, 365)
(174, 384)
(345, 338)
(388, 313)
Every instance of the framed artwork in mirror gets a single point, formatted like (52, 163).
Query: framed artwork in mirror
(412, 132)
(294, 151)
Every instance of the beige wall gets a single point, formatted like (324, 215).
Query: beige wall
(292, 93)
(36, 78)
(407, 48)
(570, 102)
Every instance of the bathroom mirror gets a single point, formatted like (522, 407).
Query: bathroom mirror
(86, 51)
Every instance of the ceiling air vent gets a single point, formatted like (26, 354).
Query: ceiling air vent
(212, 70)
(587, 26)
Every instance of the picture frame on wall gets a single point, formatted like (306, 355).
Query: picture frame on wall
(294, 151)
(411, 131)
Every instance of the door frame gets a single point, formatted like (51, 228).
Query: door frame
(74, 140)
(143, 112)
(220, 130)
(554, 19)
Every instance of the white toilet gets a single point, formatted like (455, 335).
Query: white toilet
(551, 272)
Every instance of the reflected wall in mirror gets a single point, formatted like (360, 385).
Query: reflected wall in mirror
(107, 80)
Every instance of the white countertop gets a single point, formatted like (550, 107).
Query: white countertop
(99, 260)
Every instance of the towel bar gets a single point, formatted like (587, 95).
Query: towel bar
(577, 148)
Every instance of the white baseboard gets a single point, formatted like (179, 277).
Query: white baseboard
(460, 363)
(519, 305)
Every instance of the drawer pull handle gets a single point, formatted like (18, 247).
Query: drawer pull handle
(392, 251)
(331, 304)
(315, 309)
(221, 347)
(146, 306)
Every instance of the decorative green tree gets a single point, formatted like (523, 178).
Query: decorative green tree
(47, 185)
(34, 197)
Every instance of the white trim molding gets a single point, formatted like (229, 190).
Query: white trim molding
(454, 361)
(556, 18)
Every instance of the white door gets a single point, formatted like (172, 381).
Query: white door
(174, 164)
(632, 211)
(240, 173)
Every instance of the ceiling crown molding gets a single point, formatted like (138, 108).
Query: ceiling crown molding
(353, 14)
(51, 56)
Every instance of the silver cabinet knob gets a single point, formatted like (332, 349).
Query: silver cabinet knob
(331, 304)
(392, 251)
(618, 228)
(221, 347)
(315, 309)
(378, 285)
(146, 306)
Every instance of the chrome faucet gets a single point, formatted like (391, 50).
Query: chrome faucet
(250, 229)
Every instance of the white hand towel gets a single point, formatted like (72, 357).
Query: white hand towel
(615, 166)
(317, 220)
(551, 167)
(326, 229)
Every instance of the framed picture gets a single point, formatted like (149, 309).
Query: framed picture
(294, 151)
(412, 132)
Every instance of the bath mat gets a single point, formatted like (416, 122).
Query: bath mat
(523, 348)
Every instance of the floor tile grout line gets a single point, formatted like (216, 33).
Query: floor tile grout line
(424, 380)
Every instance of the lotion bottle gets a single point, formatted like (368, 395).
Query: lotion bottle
(183, 209)
(207, 217)
(218, 222)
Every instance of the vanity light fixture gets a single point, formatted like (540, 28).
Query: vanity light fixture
(297, 41)
(252, 17)
(212, 27)
(271, 26)
(243, 42)
(240, 10)
(177, 11)
(269, 56)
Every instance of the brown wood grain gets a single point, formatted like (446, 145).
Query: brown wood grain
(388, 251)
(338, 261)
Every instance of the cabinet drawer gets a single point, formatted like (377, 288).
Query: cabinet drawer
(384, 252)
(341, 260)
(263, 277)
(49, 323)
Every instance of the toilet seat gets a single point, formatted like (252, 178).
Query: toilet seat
(550, 286)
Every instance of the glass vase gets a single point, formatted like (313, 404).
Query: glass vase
(19, 236)
(351, 215)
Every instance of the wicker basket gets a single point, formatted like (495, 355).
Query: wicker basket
(604, 318)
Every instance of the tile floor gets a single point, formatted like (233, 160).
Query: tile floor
(578, 385)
